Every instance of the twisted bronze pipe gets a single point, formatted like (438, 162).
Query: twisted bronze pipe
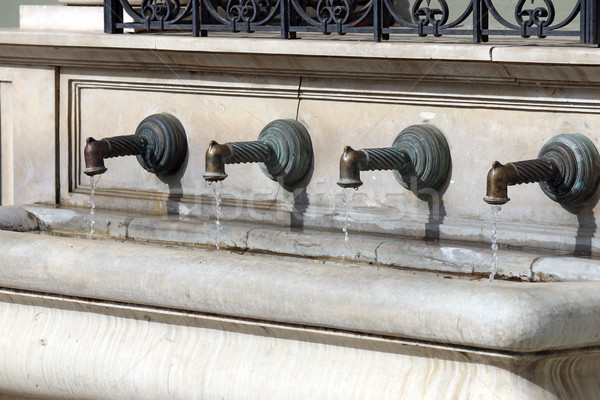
(354, 161)
(97, 150)
(567, 168)
(217, 155)
(159, 142)
(283, 152)
(419, 158)
(501, 176)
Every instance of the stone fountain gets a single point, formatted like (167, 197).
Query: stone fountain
(148, 309)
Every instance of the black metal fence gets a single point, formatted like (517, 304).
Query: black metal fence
(381, 18)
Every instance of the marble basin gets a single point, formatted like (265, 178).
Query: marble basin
(172, 321)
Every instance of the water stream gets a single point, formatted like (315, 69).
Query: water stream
(346, 204)
(91, 220)
(218, 192)
(495, 218)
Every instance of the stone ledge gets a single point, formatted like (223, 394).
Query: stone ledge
(312, 45)
(515, 51)
(312, 56)
(501, 315)
(445, 257)
(17, 219)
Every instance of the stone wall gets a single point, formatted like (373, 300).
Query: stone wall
(492, 103)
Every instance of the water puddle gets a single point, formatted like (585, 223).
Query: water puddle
(94, 179)
(495, 218)
(218, 192)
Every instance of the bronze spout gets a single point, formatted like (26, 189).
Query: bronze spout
(217, 156)
(94, 153)
(351, 163)
(354, 161)
(159, 143)
(97, 150)
(500, 177)
(283, 151)
(419, 158)
(567, 168)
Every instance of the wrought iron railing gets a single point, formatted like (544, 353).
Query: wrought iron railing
(381, 18)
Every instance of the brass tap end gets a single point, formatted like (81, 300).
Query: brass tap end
(94, 153)
(351, 163)
(498, 179)
(216, 156)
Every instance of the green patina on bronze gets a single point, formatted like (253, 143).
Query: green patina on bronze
(283, 151)
(159, 143)
(419, 159)
(567, 167)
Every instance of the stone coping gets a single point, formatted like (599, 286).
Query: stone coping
(503, 316)
(513, 51)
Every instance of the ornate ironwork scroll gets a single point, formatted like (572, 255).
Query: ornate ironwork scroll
(151, 15)
(536, 20)
(240, 15)
(327, 16)
(381, 18)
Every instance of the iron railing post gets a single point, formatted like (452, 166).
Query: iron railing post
(113, 15)
(589, 32)
(485, 20)
(377, 20)
(284, 6)
(196, 18)
(480, 21)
